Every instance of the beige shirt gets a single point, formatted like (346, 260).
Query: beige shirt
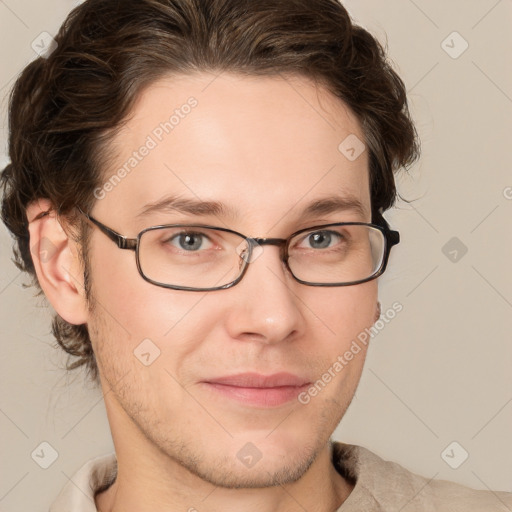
(379, 486)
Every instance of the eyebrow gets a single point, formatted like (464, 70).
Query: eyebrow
(175, 204)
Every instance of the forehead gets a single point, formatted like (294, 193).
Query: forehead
(261, 145)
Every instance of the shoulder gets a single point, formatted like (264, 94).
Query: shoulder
(390, 486)
(94, 476)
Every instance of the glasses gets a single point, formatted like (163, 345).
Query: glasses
(199, 257)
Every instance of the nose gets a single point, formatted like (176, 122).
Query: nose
(265, 305)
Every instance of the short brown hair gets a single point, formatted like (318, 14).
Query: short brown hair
(65, 108)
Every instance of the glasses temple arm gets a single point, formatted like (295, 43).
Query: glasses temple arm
(121, 241)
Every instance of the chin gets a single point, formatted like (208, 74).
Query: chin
(260, 474)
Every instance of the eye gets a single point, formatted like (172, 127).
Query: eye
(321, 239)
(191, 241)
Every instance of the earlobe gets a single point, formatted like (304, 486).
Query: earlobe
(56, 262)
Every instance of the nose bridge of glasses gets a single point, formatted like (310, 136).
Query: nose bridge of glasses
(279, 242)
(256, 248)
(270, 241)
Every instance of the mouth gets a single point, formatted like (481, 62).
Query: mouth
(259, 390)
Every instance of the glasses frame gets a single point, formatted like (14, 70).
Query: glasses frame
(391, 238)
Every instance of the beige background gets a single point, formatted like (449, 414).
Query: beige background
(441, 370)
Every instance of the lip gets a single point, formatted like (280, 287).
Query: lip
(257, 380)
(259, 390)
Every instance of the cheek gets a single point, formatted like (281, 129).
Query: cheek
(341, 352)
(348, 311)
(340, 355)
(335, 342)
(132, 310)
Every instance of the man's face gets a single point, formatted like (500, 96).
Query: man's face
(265, 148)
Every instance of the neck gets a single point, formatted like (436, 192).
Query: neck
(141, 487)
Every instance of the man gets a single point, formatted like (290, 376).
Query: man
(198, 189)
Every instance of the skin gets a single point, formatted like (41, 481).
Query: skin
(265, 146)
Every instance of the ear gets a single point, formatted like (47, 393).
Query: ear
(377, 312)
(56, 262)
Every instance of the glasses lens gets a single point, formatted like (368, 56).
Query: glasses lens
(192, 256)
(337, 254)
